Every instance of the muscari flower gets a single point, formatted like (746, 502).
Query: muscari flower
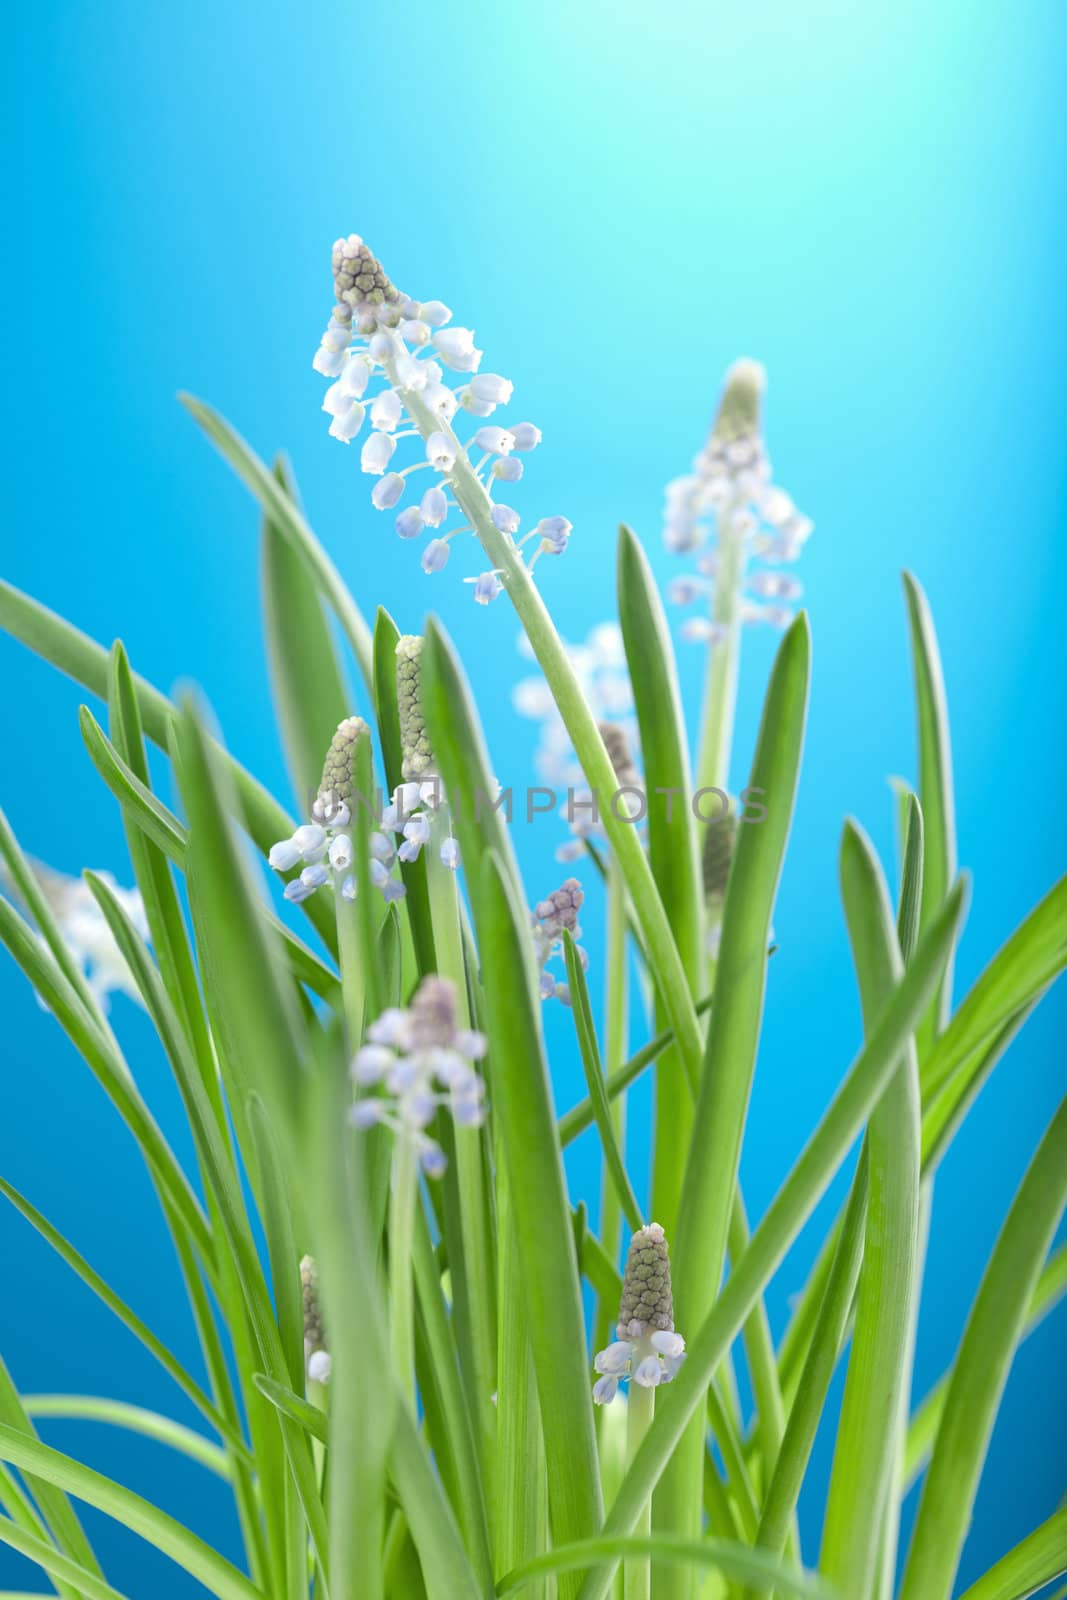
(729, 500)
(646, 1348)
(420, 1061)
(378, 335)
(558, 912)
(316, 1355)
(421, 797)
(85, 931)
(325, 845)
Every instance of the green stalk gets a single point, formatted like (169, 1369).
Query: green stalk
(615, 1009)
(403, 1199)
(640, 1408)
(516, 578)
(720, 690)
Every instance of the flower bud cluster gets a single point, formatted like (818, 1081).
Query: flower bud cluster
(390, 359)
(550, 918)
(647, 1349)
(323, 848)
(316, 1355)
(729, 500)
(415, 1063)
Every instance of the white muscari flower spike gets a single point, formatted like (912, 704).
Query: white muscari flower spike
(85, 930)
(646, 1349)
(324, 845)
(376, 335)
(420, 1061)
(316, 1355)
(729, 502)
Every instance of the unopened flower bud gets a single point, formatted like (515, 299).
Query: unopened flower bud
(646, 1304)
(418, 761)
(358, 276)
(336, 786)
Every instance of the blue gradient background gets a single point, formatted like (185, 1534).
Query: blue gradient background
(621, 199)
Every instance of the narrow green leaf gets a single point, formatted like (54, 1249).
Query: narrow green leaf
(56, 1509)
(580, 1117)
(869, 1428)
(981, 1369)
(294, 1406)
(753, 1568)
(72, 1575)
(310, 697)
(522, 1107)
(699, 1245)
(787, 1214)
(1023, 966)
(217, 1575)
(81, 658)
(594, 1077)
(128, 1317)
(135, 1419)
(935, 784)
(1051, 1287)
(290, 525)
(446, 1571)
(1036, 1561)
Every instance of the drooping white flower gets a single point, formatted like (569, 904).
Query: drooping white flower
(86, 933)
(550, 917)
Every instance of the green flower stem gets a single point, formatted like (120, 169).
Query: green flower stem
(616, 1008)
(516, 578)
(403, 1199)
(640, 1408)
(350, 961)
(477, 1277)
(720, 690)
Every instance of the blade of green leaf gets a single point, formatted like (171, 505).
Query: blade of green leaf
(787, 1214)
(699, 1245)
(580, 1117)
(868, 1431)
(1036, 1561)
(81, 658)
(594, 1077)
(290, 525)
(981, 1369)
(310, 697)
(522, 1105)
(217, 1575)
(446, 1571)
(935, 785)
(1051, 1287)
(294, 1406)
(753, 1568)
(72, 1575)
(135, 1419)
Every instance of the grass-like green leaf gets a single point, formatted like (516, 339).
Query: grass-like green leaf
(289, 524)
(759, 1572)
(1051, 1287)
(56, 1509)
(310, 697)
(1023, 966)
(594, 1077)
(935, 784)
(794, 1203)
(446, 1571)
(203, 1563)
(70, 1576)
(134, 1419)
(1036, 1561)
(981, 1369)
(81, 658)
(294, 1406)
(580, 1117)
(699, 1246)
(522, 1105)
(869, 1427)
